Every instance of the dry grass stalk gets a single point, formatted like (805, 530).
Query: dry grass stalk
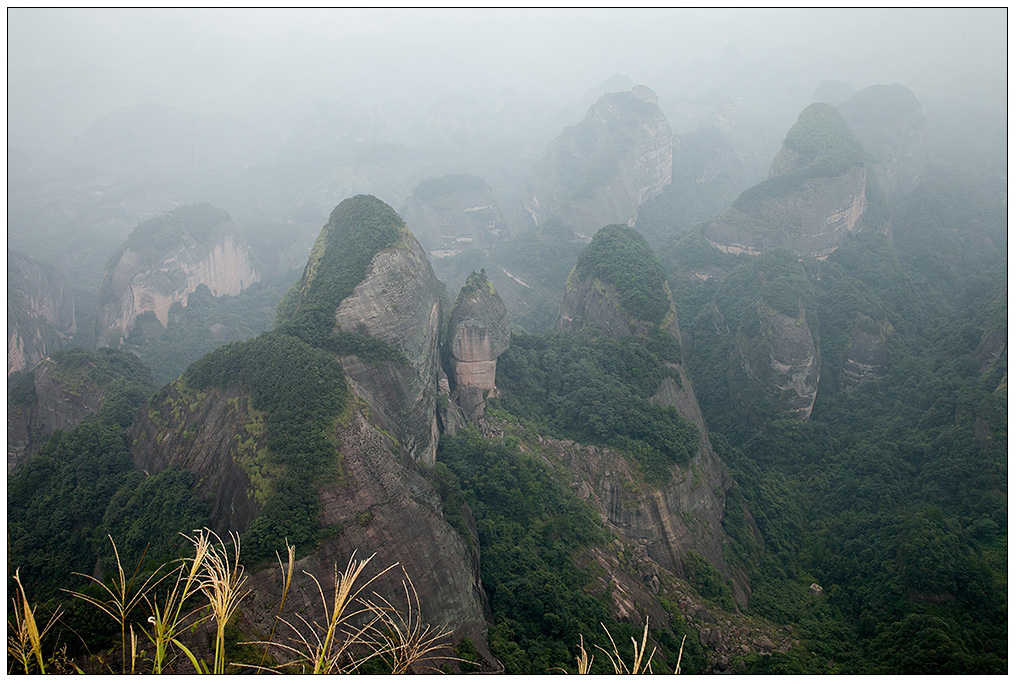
(24, 639)
(403, 639)
(166, 620)
(640, 664)
(680, 654)
(123, 598)
(221, 581)
(287, 582)
(322, 648)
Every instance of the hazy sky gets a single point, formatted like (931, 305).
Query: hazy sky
(68, 67)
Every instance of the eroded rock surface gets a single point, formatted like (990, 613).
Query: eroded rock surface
(783, 361)
(164, 260)
(40, 311)
(599, 171)
(397, 303)
(478, 333)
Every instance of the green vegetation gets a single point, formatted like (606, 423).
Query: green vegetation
(620, 256)
(205, 323)
(476, 282)
(63, 501)
(826, 147)
(892, 496)
(301, 390)
(532, 534)
(597, 390)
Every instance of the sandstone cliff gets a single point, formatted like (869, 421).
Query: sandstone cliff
(684, 515)
(315, 431)
(867, 356)
(814, 196)
(478, 333)
(40, 311)
(600, 170)
(782, 362)
(163, 261)
(61, 391)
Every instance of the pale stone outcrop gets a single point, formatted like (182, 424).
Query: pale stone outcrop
(164, 261)
(40, 311)
(478, 333)
(783, 360)
(397, 303)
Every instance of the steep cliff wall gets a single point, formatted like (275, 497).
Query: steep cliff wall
(40, 311)
(599, 171)
(478, 333)
(814, 196)
(64, 389)
(164, 260)
(54, 404)
(397, 303)
(782, 362)
(684, 515)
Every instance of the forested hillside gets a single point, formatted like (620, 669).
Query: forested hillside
(392, 341)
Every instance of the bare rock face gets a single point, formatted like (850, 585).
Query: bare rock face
(217, 436)
(867, 357)
(382, 505)
(163, 261)
(782, 362)
(814, 196)
(478, 333)
(57, 403)
(397, 303)
(599, 171)
(40, 311)
(684, 515)
(890, 123)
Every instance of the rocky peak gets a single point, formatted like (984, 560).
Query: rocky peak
(618, 287)
(478, 333)
(164, 260)
(40, 311)
(889, 121)
(600, 170)
(813, 198)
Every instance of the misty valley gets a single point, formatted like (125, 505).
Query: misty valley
(412, 367)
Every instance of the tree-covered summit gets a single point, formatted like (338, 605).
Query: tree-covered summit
(824, 140)
(620, 256)
(199, 222)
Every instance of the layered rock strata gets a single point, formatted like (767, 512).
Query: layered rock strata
(478, 333)
(165, 259)
(40, 312)
(814, 196)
